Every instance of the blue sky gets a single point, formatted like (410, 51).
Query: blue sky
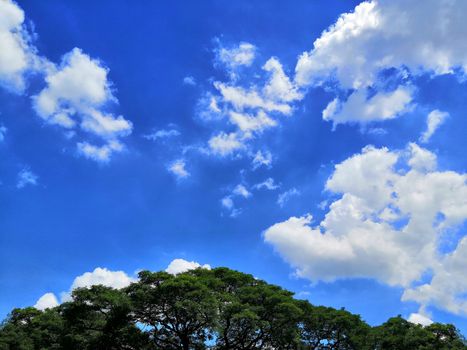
(318, 146)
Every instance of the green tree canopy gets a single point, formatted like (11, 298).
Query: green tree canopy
(217, 309)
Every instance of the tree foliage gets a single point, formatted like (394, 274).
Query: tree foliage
(208, 309)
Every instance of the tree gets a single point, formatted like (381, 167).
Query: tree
(217, 309)
(30, 329)
(445, 336)
(100, 318)
(397, 333)
(327, 328)
(180, 311)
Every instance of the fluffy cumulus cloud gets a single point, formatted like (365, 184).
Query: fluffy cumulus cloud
(393, 212)
(378, 38)
(448, 287)
(17, 55)
(385, 34)
(47, 301)
(420, 319)
(77, 92)
(433, 122)
(108, 278)
(100, 276)
(177, 266)
(177, 168)
(359, 108)
(248, 108)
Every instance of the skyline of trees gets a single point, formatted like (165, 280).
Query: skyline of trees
(208, 309)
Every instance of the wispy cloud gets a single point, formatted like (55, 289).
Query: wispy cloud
(3, 131)
(284, 197)
(267, 184)
(162, 134)
(250, 108)
(26, 178)
(189, 80)
(178, 168)
(433, 121)
(261, 159)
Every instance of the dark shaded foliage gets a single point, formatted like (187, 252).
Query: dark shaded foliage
(208, 309)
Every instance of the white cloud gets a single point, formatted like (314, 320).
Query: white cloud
(99, 153)
(208, 109)
(78, 84)
(77, 91)
(388, 224)
(376, 131)
(261, 159)
(242, 191)
(279, 87)
(162, 134)
(366, 175)
(225, 144)
(100, 276)
(323, 204)
(106, 125)
(433, 122)
(285, 196)
(267, 184)
(178, 169)
(108, 278)
(177, 266)
(3, 131)
(241, 98)
(419, 319)
(236, 56)
(360, 109)
(26, 177)
(189, 80)
(251, 107)
(47, 301)
(227, 202)
(249, 124)
(17, 55)
(448, 287)
(387, 34)
(421, 159)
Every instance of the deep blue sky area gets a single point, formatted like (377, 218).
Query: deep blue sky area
(131, 213)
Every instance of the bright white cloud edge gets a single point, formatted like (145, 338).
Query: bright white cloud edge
(108, 278)
(393, 212)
